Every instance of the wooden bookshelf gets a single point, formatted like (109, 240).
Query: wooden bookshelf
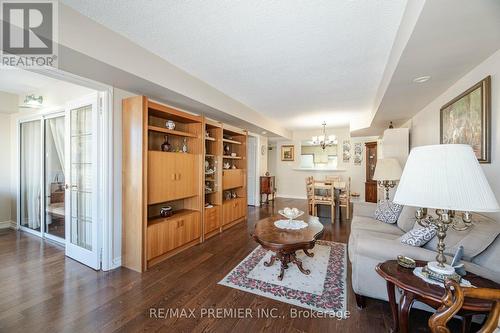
(212, 216)
(234, 180)
(153, 178)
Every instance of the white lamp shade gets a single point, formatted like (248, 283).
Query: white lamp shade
(387, 169)
(445, 177)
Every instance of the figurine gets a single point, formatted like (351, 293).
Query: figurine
(170, 124)
(184, 146)
(165, 146)
(227, 150)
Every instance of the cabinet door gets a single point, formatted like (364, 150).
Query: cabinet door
(227, 208)
(186, 229)
(211, 219)
(160, 239)
(232, 178)
(161, 176)
(185, 175)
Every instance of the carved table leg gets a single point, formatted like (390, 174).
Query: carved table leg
(309, 254)
(299, 264)
(285, 259)
(466, 323)
(394, 307)
(271, 261)
(405, 304)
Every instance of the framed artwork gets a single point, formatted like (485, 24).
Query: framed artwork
(466, 120)
(358, 153)
(346, 151)
(288, 153)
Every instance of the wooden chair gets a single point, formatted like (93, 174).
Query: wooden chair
(345, 198)
(453, 300)
(310, 194)
(328, 199)
(333, 178)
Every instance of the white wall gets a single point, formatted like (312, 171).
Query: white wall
(290, 183)
(424, 127)
(5, 167)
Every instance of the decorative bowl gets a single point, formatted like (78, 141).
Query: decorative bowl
(290, 213)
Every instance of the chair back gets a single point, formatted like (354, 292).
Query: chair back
(333, 178)
(309, 187)
(453, 301)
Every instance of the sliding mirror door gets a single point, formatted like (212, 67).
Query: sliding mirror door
(31, 175)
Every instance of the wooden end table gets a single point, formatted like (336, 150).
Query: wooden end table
(284, 242)
(414, 288)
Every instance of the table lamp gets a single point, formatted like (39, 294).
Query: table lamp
(446, 178)
(387, 173)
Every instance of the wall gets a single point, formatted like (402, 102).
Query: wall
(291, 183)
(5, 194)
(424, 126)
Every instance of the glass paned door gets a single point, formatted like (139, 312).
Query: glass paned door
(54, 141)
(81, 186)
(31, 175)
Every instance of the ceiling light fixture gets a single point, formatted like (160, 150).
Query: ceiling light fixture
(264, 132)
(323, 140)
(421, 79)
(32, 100)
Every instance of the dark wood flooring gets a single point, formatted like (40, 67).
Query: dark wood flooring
(41, 290)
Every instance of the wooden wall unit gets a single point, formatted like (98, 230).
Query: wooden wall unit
(234, 179)
(153, 178)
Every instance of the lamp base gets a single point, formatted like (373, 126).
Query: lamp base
(433, 271)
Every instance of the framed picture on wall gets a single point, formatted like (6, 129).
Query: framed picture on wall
(466, 120)
(288, 153)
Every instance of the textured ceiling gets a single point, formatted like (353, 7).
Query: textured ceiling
(300, 62)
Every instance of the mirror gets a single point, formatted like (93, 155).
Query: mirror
(312, 156)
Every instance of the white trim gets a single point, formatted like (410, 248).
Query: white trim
(117, 262)
(287, 196)
(8, 225)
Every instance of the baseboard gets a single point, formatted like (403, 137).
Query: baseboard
(287, 196)
(8, 225)
(117, 262)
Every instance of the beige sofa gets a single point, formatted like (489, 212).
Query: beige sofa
(372, 242)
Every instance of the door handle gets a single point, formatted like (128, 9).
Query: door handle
(179, 176)
(173, 176)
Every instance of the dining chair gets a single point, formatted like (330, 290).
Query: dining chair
(453, 300)
(333, 178)
(324, 194)
(310, 194)
(345, 198)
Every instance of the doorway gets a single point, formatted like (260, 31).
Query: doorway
(58, 180)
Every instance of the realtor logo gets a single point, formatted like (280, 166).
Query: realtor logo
(29, 33)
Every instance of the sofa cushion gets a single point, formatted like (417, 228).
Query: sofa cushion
(418, 236)
(387, 212)
(370, 224)
(474, 240)
(407, 219)
(490, 257)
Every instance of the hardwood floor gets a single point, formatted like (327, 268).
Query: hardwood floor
(41, 290)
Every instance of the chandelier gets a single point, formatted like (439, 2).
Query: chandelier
(324, 141)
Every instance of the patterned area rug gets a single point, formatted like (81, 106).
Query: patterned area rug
(324, 290)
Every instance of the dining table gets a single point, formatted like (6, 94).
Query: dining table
(338, 186)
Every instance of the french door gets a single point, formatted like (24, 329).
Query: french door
(58, 187)
(81, 182)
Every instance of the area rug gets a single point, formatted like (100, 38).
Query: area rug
(324, 290)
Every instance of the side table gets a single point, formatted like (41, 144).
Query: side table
(413, 288)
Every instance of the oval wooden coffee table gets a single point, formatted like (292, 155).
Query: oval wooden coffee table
(285, 242)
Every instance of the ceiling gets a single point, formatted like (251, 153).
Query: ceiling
(450, 38)
(21, 82)
(299, 62)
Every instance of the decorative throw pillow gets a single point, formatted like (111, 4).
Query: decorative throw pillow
(418, 236)
(388, 212)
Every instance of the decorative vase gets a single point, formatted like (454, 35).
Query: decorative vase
(165, 146)
(184, 146)
(166, 211)
(227, 150)
(170, 124)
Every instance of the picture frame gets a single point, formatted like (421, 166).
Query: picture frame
(288, 153)
(467, 120)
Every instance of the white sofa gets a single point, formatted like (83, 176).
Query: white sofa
(372, 242)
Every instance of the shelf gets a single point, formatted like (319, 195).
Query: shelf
(209, 180)
(209, 138)
(176, 214)
(232, 157)
(172, 132)
(209, 155)
(231, 141)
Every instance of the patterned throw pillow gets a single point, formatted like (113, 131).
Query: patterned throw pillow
(418, 236)
(388, 212)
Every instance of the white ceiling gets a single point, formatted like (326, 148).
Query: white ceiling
(299, 62)
(21, 82)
